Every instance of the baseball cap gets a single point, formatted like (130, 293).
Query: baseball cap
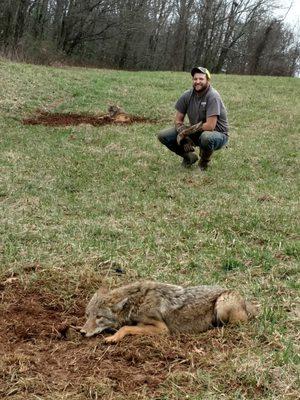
(202, 70)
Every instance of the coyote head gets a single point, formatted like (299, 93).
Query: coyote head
(101, 314)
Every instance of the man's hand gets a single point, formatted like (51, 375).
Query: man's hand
(180, 137)
(180, 128)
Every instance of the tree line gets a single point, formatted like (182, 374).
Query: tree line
(233, 36)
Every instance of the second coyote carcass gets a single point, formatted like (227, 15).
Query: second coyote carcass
(148, 308)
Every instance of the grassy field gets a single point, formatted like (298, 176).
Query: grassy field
(80, 202)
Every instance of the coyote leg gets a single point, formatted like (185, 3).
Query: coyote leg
(231, 307)
(158, 327)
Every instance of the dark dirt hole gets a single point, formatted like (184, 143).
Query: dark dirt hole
(67, 119)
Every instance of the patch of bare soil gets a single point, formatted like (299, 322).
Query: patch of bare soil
(41, 353)
(67, 119)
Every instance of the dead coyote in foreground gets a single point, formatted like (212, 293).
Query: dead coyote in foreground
(148, 308)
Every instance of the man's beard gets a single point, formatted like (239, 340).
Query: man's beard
(203, 88)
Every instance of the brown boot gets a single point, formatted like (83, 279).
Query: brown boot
(205, 157)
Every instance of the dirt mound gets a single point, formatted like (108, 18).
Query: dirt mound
(30, 315)
(66, 119)
(42, 353)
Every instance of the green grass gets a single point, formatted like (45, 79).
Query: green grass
(114, 194)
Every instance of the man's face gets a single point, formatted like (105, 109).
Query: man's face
(200, 82)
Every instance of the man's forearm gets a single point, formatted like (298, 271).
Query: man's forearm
(207, 127)
(210, 123)
(179, 122)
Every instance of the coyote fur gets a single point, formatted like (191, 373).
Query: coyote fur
(118, 114)
(149, 308)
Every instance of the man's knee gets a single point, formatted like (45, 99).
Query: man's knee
(161, 136)
(206, 140)
(166, 135)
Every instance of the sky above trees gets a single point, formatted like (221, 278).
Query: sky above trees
(290, 9)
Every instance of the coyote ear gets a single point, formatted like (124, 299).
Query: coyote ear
(119, 306)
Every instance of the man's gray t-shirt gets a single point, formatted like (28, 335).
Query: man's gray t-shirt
(199, 108)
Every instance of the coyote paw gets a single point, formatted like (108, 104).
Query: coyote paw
(113, 339)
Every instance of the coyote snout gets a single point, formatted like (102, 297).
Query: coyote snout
(148, 308)
(90, 328)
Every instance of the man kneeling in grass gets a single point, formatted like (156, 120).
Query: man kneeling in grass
(208, 118)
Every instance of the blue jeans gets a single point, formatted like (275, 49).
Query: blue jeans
(206, 140)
